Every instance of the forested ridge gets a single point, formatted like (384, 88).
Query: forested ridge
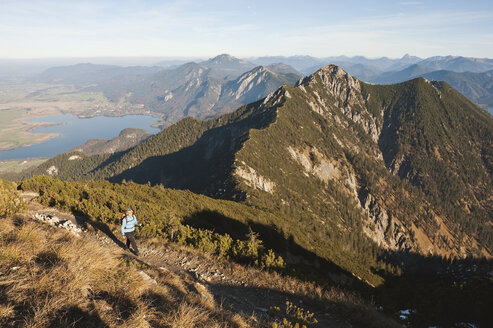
(352, 171)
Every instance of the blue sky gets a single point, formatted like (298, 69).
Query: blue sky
(41, 29)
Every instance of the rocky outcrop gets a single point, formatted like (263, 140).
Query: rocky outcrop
(344, 87)
(59, 223)
(314, 162)
(382, 227)
(252, 86)
(52, 170)
(348, 99)
(253, 179)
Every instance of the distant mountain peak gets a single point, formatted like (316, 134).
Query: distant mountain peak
(408, 56)
(282, 68)
(225, 58)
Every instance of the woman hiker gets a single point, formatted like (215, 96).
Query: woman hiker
(129, 222)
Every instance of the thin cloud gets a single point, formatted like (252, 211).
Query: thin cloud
(388, 34)
(196, 28)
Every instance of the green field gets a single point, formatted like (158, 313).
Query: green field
(45, 92)
(65, 93)
(20, 103)
(8, 116)
(13, 132)
(16, 166)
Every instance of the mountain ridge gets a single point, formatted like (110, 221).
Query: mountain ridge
(351, 148)
(476, 86)
(127, 138)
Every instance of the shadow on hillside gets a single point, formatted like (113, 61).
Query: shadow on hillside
(303, 260)
(84, 221)
(204, 164)
(73, 316)
(196, 168)
(440, 291)
(257, 301)
(112, 158)
(218, 223)
(444, 291)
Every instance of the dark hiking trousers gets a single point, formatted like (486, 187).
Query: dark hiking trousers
(131, 239)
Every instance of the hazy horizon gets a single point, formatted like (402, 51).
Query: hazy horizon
(205, 57)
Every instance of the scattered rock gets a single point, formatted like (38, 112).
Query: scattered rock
(52, 170)
(56, 222)
(147, 278)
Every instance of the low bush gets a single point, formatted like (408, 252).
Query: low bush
(10, 202)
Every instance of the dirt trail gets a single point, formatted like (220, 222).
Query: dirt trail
(246, 290)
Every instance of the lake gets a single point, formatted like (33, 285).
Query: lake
(76, 131)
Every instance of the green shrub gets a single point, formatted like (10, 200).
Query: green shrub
(157, 208)
(293, 316)
(10, 201)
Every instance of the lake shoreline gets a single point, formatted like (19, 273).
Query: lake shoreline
(43, 137)
(70, 130)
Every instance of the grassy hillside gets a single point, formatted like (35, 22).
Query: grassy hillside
(183, 218)
(179, 216)
(51, 278)
(478, 87)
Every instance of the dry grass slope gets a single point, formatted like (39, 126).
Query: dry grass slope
(50, 278)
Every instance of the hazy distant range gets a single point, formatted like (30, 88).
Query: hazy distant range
(153, 79)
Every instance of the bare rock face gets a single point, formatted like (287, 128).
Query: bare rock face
(382, 227)
(52, 170)
(314, 162)
(346, 90)
(254, 180)
(247, 82)
(342, 85)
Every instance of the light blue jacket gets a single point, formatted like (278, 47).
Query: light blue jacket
(128, 224)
